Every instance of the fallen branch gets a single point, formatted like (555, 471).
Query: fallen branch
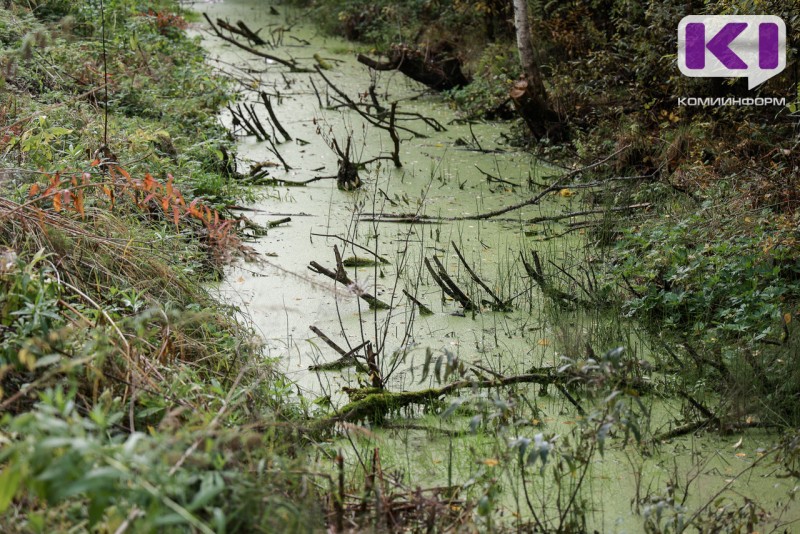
(555, 186)
(423, 310)
(268, 105)
(498, 303)
(375, 406)
(535, 271)
(243, 31)
(563, 216)
(381, 259)
(449, 287)
(341, 276)
(285, 62)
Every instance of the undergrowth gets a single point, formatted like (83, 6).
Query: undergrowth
(131, 398)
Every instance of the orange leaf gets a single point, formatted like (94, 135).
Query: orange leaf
(34, 190)
(57, 202)
(95, 163)
(124, 173)
(176, 215)
(193, 210)
(79, 203)
(149, 182)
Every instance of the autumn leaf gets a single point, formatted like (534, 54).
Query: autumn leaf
(491, 462)
(34, 190)
(79, 203)
(57, 202)
(149, 182)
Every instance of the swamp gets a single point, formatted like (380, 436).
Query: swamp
(384, 266)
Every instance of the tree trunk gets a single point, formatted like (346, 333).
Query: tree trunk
(529, 95)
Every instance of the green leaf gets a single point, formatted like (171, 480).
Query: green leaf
(10, 480)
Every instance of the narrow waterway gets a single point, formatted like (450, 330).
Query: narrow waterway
(444, 174)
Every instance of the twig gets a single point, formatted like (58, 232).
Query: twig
(287, 63)
(498, 303)
(423, 310)
(268, 105)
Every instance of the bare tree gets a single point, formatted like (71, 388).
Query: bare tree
(529, 94)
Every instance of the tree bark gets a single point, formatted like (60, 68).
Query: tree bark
(529, 95)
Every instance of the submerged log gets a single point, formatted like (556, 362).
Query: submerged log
(438, 68)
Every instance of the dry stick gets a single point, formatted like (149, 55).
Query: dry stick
(570, 398)
(342, 278)
(488, 215)
(250, 34)
(316, 92)
(332, 344)
(273, 224)
(568, 275)
(268, 105)
(300, 183)
(251, 110)
(242, 31)
(287, 63)
(424, 310)
(538, 276)
(499, 304)
(347, 359)
(366, 116)
(246, 125)
(338, 500)
(353, 244)
(374, 97)
(277, 153)
(492, 178)
(475, 139)
(447, 291)
(395, 137)
(460, 295)
(535, 220)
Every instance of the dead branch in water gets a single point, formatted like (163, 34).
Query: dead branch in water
(340, 275)
(292, 64)
(423, 310)
(379, 258)
(449, 287)
(498, 303)
(535, 271)
(554, 186)
(242, 30)
(278, 125)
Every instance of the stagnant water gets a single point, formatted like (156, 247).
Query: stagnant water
(442, 175)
